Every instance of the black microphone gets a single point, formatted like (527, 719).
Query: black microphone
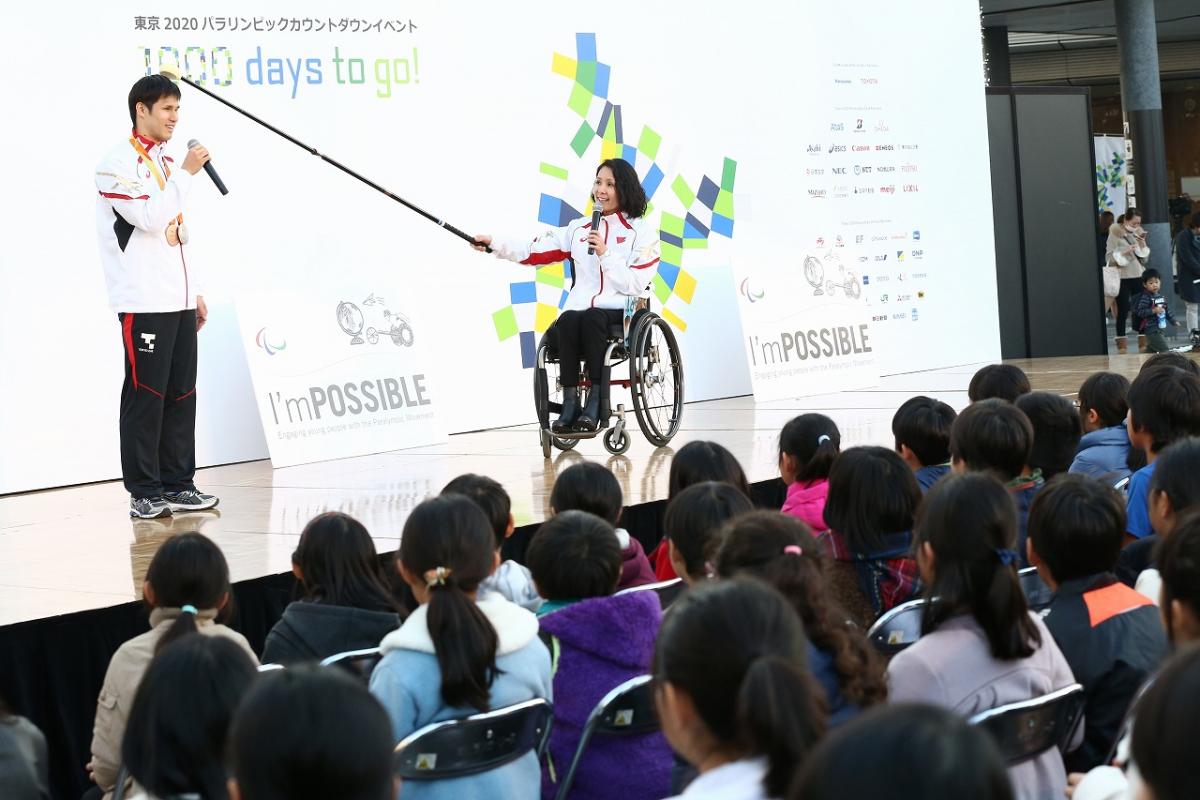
(212, 172)
(595, 226)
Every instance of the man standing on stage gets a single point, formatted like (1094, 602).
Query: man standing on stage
(153, 289)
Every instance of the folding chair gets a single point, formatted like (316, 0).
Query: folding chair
(1027, 729)
(474, 744)
(668, 591)
(359, 663)
(1037, 593)
(898, 628)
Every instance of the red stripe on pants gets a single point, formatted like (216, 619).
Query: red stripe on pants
(127, 332)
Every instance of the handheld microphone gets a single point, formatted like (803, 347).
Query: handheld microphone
(212, 172)
(595, 225)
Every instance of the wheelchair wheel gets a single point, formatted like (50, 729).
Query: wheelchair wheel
(547, 400)
(656, 380)
(616, 443)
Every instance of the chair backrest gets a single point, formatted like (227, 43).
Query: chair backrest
(898, 628)
(1027, 729)
(474, 744)
(1122, 485)
(269, 667)
(1037, 593)
(625, 711)
(668, 591)
(358, 663)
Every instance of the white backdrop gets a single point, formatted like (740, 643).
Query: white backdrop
(468, 111)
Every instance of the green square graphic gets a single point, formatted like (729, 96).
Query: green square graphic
(695, 244)
(649, 142)
(672, 224)
(580, 100)
(670, 254)
(553, 171)
(724, 204)
(505, 321)
(585, 73)
(548, 277)
(683, 192)
(661, 290)
(583, 137)
(728, 174)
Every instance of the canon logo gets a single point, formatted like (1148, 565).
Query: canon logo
(860, 148)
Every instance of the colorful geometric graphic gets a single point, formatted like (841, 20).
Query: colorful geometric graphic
(696, 213)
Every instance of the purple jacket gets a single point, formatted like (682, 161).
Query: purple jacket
(603, 642)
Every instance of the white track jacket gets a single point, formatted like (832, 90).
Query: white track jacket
(626, 270)
(143, 272)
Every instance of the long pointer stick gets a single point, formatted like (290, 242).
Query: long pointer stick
(174, 74)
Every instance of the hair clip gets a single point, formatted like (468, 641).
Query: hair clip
(822, 439)
(1007, 557)
(189, 609)
(793, 549)
(436, 576)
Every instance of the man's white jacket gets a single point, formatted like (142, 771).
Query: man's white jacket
(144, 273)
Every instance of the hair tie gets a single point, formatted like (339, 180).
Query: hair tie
(189, 609)
(793, 549)
(1007, 557)
(822, 439)
(436, 577)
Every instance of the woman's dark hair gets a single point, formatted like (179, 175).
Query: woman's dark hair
(448, 543)
(307, 733)
(993, 436)
(1165, 403)
(339, 565)
(490, 496)
(738, 650)
(1178, 557)
(588, 486)
(1002, 381)
(779, 549)
(1170, 359)
(1107, 394)
(1177, 473)
(906, 752)
(1077, 526)
(189, 570)
(704, 461)
(575, 555)
(1057, 430)
(695, 516)
(631, 197)
(970, 521)
(148, 91)
(1133, 212)
(1167, 727)
(872, 493)
(922, 424)
(814, 441)
(174, 740)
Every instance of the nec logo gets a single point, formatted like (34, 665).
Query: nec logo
(148, 338)
(838, 170)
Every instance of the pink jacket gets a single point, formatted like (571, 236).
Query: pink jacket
(806, 501)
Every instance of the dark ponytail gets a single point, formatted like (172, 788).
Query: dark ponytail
(448, 542)
(814, 441)
(189, 572)
(970, 521)
(738, 651)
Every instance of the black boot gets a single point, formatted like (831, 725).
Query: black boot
(589, 419)
(570, 411)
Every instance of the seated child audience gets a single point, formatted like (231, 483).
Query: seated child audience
(808, 446)
(591, 487)
(187, 588)
(1167, 729)
(692, 522)
(780, 550)
(347, 603)
(174, 745)
(1170, 359)
(24, 760)
(455, 656)
(905, 752)
(1174, 491)
(1103, 451)
(1164, 406)
(981, 647)
(733, 690)
(921, 427)
(307, 733)
(996, 437)
(1057, 430)
(1000, 381)
(873, 500)
(1151, 314)
(694, 463)
(598, 641)
(1111, 636)
(510, 580)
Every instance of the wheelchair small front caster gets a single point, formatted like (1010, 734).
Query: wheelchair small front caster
(617, 441)
(544, 437)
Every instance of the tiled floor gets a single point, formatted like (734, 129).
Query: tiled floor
(74, 549)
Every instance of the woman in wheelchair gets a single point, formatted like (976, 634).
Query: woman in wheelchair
(623, 264)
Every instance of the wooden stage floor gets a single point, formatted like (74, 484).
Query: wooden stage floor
(74, 549)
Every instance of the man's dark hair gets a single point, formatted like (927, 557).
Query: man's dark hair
(575, 555)
(588, 486)
(922, 424)
(1107, 394)
(1077, 525)
(998, 380)
(490, 496)
(994, 436)
(148, 91)
(1057, 430)
(1165, 403)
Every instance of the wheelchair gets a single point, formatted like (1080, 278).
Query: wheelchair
(655, 383)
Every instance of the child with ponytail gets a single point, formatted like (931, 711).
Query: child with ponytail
(187, 589)
(453, 656)
(808, 446)
(733, 690)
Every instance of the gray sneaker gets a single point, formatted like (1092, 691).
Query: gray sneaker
(148, 507)
(190, 500)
